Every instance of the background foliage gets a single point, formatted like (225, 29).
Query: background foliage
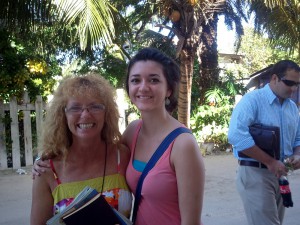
(210, 121)
(38, 47)
(23, 68)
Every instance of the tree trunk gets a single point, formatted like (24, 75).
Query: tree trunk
(190, 30)
(208, 71)
(193, 27)
(184, 101)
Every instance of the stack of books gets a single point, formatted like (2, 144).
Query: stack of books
(89, 208)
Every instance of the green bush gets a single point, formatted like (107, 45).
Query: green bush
(210, 122)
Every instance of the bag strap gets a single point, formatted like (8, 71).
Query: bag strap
(151, 163)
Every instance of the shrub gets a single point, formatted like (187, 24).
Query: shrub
(210, 122)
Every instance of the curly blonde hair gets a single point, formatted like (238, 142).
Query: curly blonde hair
(56, 137)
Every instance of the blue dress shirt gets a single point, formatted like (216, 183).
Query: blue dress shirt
(263, 106)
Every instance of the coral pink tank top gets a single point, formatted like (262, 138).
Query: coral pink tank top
(159, 197)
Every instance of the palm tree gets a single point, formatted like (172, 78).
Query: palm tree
(189, 27)
(191, 19)
(280, 20)
(195, 24)
(92, 19)
(208, 54)
(208, 59)
(23, 15)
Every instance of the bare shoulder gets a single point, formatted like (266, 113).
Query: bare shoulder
(45, 178)
(186, 154)
(129, 132)
(186, 139)
(185, 143)
(132, 126)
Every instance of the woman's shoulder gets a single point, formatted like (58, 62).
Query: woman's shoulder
(46, 177)
(185, 147)
(133, 125)
(129, 131)
(186, 140)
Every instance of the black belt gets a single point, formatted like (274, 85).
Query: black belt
(252, 163)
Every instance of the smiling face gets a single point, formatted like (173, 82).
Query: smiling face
(87, 124)
(148, 86)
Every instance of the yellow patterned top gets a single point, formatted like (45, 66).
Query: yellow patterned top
(115, 191)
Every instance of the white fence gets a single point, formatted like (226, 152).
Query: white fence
(13, 107)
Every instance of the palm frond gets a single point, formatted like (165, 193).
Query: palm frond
(280, 20)
(94, 20)
(24, 15)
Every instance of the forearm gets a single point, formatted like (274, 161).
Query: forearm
(191, 194)
(275, 166)
(192, 215)
(258, 154)
(190, 175)
(42, 202)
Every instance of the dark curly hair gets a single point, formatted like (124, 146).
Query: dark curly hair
(170, 69)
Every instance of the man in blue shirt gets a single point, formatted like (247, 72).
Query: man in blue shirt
(258, 172)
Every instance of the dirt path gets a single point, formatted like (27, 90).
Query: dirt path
(15, 198)
(222, 205)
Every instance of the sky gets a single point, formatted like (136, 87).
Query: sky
(225, 38)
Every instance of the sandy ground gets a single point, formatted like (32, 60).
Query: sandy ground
(222, 205)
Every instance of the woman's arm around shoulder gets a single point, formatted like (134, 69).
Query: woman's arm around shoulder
(42, 200)
(189, 167)
(39, 167)
(124, 158)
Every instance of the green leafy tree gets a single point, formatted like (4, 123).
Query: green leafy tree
(258, 53)
(280, 20)
(22, 69)
(210, 121)
(93, 19)
(186, 20)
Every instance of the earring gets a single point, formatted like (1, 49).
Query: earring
(167, 101)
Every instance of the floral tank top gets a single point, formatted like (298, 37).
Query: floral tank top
(115, 191)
